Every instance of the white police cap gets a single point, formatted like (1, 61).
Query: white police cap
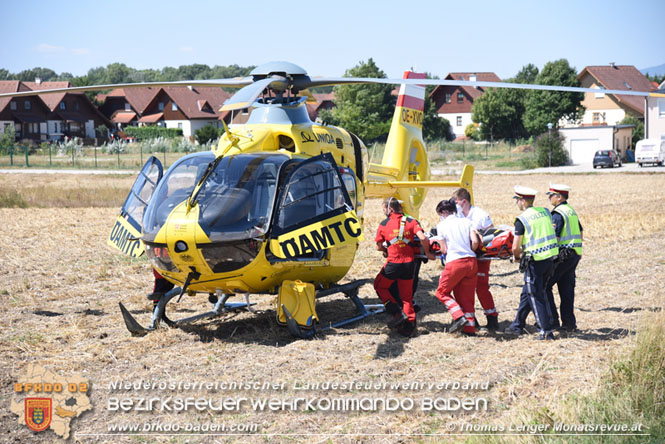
(524, 192)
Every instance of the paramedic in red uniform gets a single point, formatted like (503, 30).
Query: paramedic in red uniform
(480, 220)
(392, 238)
(458, 241)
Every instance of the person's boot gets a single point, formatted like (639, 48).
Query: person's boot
(493, 324)
(457, 324)
(397, 320)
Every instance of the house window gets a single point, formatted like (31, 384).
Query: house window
(459, 120)
(596, 117)
(27, 105)
(12, 105)
(245, 111)
(180, 125)
(161, 106)
(174, 107)
(661, 107)
(63, 106)
(76, 106)
(127, 107)
(448, 97)
(460, 97)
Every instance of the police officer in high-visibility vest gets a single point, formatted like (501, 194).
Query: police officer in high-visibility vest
(535, 245)
(568, 231)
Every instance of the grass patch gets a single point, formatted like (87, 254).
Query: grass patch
(632, 392)
(10, 198)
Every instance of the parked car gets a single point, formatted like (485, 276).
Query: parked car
(606, 158)
(650, 151)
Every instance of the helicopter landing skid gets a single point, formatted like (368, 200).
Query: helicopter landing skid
(350, 290)
(159, 313)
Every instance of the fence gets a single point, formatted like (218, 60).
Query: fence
(131, 156)
(112, 156)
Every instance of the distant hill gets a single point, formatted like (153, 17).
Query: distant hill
(654, 70)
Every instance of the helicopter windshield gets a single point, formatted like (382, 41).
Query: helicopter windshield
(174, 188)
(237, 197)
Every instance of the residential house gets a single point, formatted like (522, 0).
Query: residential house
(454, 103)
(27, 115)
(71, 114)
(654, 121)
(323, 101)
(51, 116)
(609, 109)
(187, 108)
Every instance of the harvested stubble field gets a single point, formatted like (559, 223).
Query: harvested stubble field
(61, 286)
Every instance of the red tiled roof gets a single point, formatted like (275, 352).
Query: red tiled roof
(7, 86)
(138, 98)
(51, 100)
(621, 77)
(123, 117)
(188, 100)
(151, 118)
(480, 76)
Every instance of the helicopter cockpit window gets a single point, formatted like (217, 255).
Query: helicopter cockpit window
(313, 190)
(141, 192)
(237, 198)
(350, 184)
(174, 188)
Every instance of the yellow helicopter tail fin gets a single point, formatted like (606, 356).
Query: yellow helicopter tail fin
(404, 171)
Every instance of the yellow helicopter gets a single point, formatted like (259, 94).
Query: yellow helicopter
(277, 206)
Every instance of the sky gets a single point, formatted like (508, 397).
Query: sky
(327, 38)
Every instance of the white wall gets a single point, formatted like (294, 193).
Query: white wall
(655, 118)
(186, 126)
(452, 118)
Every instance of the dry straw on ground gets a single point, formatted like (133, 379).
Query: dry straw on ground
(61, 284)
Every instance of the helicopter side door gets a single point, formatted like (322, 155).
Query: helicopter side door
(314, 211)
(126, 231)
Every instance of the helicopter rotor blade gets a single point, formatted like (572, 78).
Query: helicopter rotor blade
(248, 95)
(332, 81)
(231, 83)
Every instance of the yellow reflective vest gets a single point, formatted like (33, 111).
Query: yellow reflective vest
(539, 238)
(571, 235)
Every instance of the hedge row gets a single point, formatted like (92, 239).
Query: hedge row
(152, 132)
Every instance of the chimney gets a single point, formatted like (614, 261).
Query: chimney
(38, 80)
(191, 88)
(613, 65)
(474, 78)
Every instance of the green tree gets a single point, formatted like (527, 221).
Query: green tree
(7, 138)
(118, 73)
(206, 134)
(553, 141)
(638, 131)
(543, 107)
(365, 110)
(29, 75)
(4, 74)
(500, 110)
